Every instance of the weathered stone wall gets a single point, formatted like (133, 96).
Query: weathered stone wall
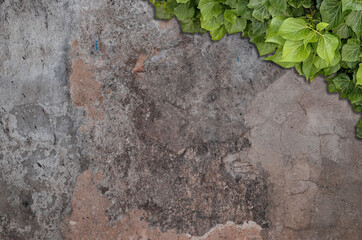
(114, 125)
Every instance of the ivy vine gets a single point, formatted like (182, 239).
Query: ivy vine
(317, 37)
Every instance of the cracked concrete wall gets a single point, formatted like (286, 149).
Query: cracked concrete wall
(118, 126)
(304, 139)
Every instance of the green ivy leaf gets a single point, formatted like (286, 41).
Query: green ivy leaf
(261, 13)
(343, 83)
(210, 8)
(336, 59)
(295, 3)
(356, 96)
(258, 28)
(241, 9)
(357, 108)
(232, 3)
(191, 26)
(331, 11)
(281, 5)
(330, 70)
(260, 9)
(161, 13)
(265, 48)
(297, 12)
(308, 69)
(343, 31)
(256, 3)
(218, 34)
(298, 67)
(294, 29)
(307, 3)
(275, 12)
(327, 45)
(354, 20)
(170, 6)
(213, 23)
(274, 26)
(184, 11)
(331, 86)
(320, 63)
(277, 57)
(319, 2)
(351, 50)
(295, 51)
(230, 16)
(348, 64)
(321, 26)
(352, 5)
(238, 26)
(310, 38)
(359, 75)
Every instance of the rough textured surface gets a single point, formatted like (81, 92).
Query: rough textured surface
(116, 126)
(89, 221)
(304, 140)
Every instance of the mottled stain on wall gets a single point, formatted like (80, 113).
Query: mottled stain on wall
(85, 90)
(140, 63)
(89, 220)
(231, 231)
(168, 125)
(166, 24)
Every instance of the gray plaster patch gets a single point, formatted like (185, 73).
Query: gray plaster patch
(33, 122)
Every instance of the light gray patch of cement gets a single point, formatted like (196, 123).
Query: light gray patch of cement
(304, 139)
(39, 159)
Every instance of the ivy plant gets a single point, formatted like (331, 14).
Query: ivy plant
(316, 37)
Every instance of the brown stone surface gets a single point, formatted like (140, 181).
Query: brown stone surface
(138, 67)
(85, 90)
(88, 220)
